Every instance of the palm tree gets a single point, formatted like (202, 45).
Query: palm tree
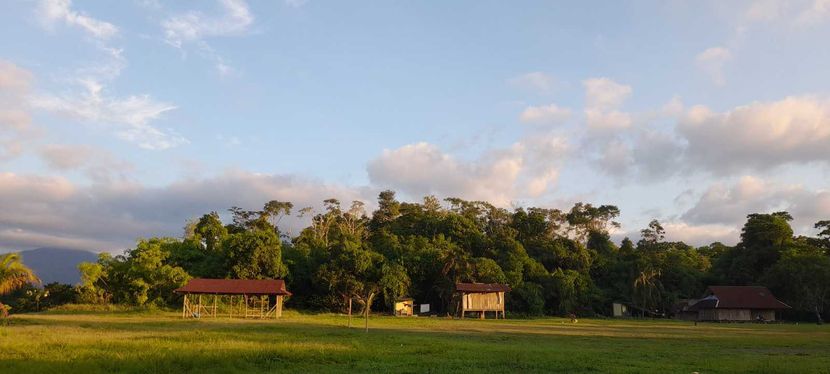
(14, 274)
(647, 287)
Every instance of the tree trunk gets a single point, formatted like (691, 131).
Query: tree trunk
(818, 316)
(368, 308)
(350, 312)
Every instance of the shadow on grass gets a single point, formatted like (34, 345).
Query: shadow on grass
(124, 342)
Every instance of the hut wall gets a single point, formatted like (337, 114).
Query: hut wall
(493, 301)
(403, 308)
(725, 315)
(766, 314)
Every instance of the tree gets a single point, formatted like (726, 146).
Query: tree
(654, 234)
(388, 210)
(210, 231)
(394, 282)
(803, 280)
(647, 289)
(93, 286)
(585, 218)
(13, 275)
(254, 254)
(275, 210)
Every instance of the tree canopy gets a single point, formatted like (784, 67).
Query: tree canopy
(557, 261)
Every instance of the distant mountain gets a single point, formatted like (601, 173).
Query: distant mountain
(57, 264)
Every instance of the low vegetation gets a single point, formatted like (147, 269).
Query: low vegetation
(162, 342)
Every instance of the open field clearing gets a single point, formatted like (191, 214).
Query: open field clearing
(87, 342)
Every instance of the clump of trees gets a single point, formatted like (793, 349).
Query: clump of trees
(13, 276)
(557, 262)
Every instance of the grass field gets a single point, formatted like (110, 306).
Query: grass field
(158, 342)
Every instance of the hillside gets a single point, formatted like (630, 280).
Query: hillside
(57, 264)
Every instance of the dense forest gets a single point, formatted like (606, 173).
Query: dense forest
(557, 262)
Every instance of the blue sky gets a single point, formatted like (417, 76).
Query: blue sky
(123, 120)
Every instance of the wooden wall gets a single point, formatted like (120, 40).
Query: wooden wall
(482, 302)
(735, 315)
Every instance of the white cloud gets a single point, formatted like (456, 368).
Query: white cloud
(132, 114)
(545, 114)
(52, 210)
(616, 158)
(758, 136)
(729, 204)
(765, 10)
(422, 169)
(52, 11)
(15, 121)
(699, 235)
(296, 3)
(529, 168)
(604, 93)
(818, 11)
(97, 164)
(712, 61)
(603, 98)
(536, 81)
(195, 26)
(601, 121)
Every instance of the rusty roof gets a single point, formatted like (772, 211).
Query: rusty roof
(738, 297)
(235, 287)
(481, 287)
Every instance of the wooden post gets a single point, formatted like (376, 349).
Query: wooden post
(184, 306)
(214, 305)
(350, 312)
(463, 309)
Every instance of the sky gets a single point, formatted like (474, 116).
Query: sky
(123, 120)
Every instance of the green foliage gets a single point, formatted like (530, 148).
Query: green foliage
(556, 261)
(254, 254)
(803, 279)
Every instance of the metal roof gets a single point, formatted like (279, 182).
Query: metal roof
(738, 297)
(235, 287)
(481, 287)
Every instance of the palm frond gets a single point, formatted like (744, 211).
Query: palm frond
(14, 274)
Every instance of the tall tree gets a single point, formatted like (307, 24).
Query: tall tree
(803, 280)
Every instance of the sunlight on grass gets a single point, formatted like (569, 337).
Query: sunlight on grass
(129, 341)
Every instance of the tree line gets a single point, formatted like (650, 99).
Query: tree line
(557, 262)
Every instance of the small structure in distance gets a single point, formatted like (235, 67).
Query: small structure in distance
(482, 298)
(247, 298)
(404, 307)
(737, 303)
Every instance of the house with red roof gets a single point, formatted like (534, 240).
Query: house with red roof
(737, 303)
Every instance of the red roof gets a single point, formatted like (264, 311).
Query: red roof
(235, 287)
(738, 297)
(481, 287)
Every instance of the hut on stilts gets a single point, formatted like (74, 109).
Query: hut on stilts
(482, 298)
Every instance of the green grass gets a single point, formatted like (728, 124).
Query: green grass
(76, 341)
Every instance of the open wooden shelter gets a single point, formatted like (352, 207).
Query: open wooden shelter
(245, 298)
(482, 298)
